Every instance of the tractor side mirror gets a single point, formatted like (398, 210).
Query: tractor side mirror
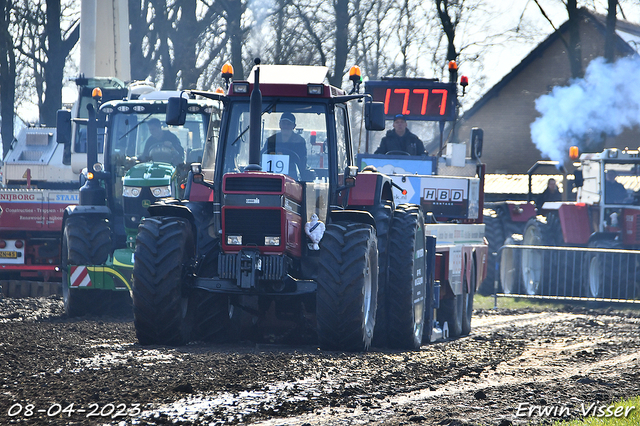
(176, 111)
(578, 179)
(63, 126)
(374, 115)
(350, 173)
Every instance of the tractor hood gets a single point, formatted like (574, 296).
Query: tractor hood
(149, 174)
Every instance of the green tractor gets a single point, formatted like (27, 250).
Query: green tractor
(144, 161)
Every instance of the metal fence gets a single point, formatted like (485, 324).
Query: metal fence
(568, 273)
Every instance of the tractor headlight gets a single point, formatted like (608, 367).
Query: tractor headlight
(161, 191)
(234, 240)
(271, 241)
(131, 191)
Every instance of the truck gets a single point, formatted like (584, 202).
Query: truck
(98, 234)
(274, 237)
(589, 247)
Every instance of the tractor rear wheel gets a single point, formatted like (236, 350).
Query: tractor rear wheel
(610, 275)
(509, 263)
(469, 293)
(383, 215)
(495, 236)
(164, 250)
(406, 291)
(347, 293)
(452, 311)
(85, 241)
(533, 261)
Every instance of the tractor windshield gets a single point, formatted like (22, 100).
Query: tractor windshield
(140, 137)
(622, 183)
(292, 140)
(148, 138)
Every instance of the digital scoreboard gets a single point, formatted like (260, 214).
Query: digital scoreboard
(416, 99)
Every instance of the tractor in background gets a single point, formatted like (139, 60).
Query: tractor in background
(604, 217)
(98, 234)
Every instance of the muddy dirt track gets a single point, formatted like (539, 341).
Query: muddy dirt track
(524, 367)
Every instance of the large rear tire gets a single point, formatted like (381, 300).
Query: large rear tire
(509, 263)
(407, 288)
(494, 233)
(347, 293)
(452, 311)
(533, 261)
(383, 215)
(164, 250)
(85, 241)
(467, 310)
(610, 275)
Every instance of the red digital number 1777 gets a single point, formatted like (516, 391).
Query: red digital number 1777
(425, 98)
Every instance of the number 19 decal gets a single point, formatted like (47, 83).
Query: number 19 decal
(275, 163)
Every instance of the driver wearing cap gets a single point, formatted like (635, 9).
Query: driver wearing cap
(400, 139)
(161, 139)
(288, 140)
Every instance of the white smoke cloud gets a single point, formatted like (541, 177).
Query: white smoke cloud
(606, 100)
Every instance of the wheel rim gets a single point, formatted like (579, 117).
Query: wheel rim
(506, 271)
(595, 277)
(367, 296)
(418, 299)
(65, 274)
(531, 262)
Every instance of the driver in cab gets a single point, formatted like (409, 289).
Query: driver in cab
(400, 139)
(162, 145)
(287, 141)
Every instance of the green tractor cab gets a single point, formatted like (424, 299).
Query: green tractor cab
(145, 160)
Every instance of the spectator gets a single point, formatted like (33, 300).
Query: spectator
(400, 139)
(551, 193)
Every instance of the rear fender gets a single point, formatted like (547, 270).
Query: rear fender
(173, 208)
(574, 219)
(357, 216)
(521, 212)
(370, 189)
(101, 212)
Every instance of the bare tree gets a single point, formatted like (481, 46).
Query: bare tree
(43, 40)
(7, 76)
(177, 42)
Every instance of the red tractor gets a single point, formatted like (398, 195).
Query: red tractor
(591, 244)
(278, 226)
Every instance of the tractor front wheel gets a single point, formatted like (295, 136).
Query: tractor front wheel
(86, 241)
(347, 280)
(165, 249)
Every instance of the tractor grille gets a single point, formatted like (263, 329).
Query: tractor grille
(253, 224)
(273, 267)
(251, 184)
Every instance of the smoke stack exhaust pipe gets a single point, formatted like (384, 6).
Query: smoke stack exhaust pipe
(255, 118)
